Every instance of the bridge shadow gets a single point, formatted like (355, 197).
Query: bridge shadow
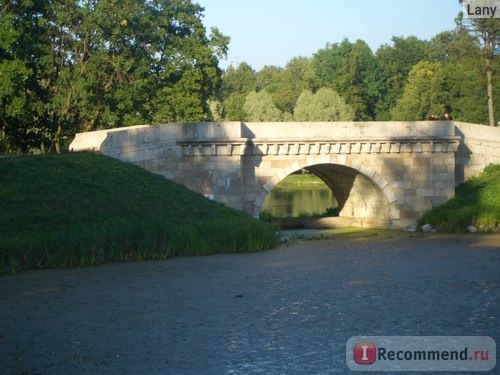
(338, 178)
(463, 156)
(250, 161)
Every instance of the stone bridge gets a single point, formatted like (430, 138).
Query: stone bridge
(383, 174)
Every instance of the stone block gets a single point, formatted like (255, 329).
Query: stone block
(259, 200)
(422, 162)
(395, 212)
(379, 181)
(425, 192)
(367, 171)
(443, 184)
(341, 159)
(354, 162)
(391, 196)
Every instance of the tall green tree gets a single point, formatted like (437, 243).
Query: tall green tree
(237, 83)
(72, 65)
(188, 73)
(352, 70)
(396, 60)
(14, 75)
(425, 95)
(487, 32)
(286, 84)
(460, 55)
(25, 73)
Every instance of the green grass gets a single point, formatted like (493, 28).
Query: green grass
(476, 202)
(298, 181)
(84, 209)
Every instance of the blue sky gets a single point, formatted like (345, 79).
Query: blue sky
(272, 32)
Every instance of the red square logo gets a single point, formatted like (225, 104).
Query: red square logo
(365, 353)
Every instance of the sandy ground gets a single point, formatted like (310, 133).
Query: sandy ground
(285, 311)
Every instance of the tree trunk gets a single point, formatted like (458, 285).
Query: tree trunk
(489, 78)
(57, 140)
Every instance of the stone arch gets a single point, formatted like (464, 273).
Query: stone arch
(360, 191)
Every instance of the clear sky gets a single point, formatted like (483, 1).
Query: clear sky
(272, 32)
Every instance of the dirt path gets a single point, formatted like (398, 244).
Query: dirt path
(285, 311)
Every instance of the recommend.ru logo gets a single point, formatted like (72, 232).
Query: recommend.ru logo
(421, 353)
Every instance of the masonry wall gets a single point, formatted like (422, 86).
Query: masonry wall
(479, 146)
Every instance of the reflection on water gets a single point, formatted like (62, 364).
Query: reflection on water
(299, 202)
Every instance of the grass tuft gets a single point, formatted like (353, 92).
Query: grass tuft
(85, 209)
(476, 202)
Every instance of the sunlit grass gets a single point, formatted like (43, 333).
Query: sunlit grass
(299, 181)
(476, 202)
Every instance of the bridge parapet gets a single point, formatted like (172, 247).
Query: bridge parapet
(320, 138)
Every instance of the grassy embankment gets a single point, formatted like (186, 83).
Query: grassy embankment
(84, 209)
(476, 202)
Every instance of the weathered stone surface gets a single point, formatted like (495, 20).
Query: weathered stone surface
(479, 146)
(381, 171)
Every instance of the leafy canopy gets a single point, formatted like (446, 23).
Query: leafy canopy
(79, 65)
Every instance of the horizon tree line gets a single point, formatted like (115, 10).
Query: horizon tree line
(68, 66)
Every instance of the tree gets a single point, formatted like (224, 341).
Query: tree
(325, 105)
(259, 106)
(327, 63)
(22, 53)
(351, 70)
(459, 53)
(286, 84)
(237, 83)
(425, 94)
(487, 32)
(71, 65)
(396, 61)
(14, 74)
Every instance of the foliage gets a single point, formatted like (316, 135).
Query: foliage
(288, 83)
(487, 33)
(237, 84)
(352, 70)
(284, 86)
(71, 65)
(425, 95)
(476, 202)
(77, 65)
(325, 105)
(458, 53)
(372, 85)
(82, 209)
(396, 61)
(259, 106)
